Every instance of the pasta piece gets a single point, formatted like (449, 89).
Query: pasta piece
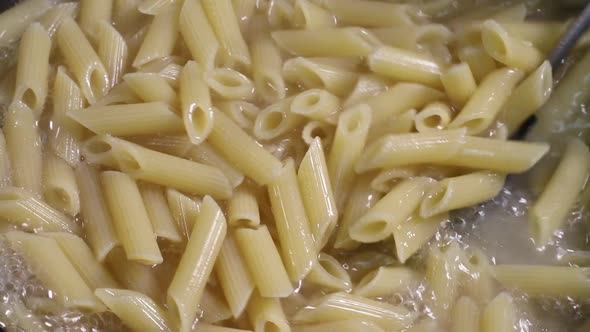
(112, 51)
(326, 42)
(160, 37)
(267, 67)
(348, 325)
(280, 12)
(130, 218)
(195, 103)
(204, 153)
(509, 50)
(166, 170)
(67, 134)
(241, 112)
(129, 119)
(499, 315)
(60, 189)
(5, 171)
(459, 83)
(465, 315)
(242, 209)
(480, 63)
(414, 37)
(195, 267)
(204, 327)
(241, 150)
(276, 120)
(405, 65)
(157, 209)
(328, 272)
(83, 61)
(433, 117)
(366, 86)
(135, 309)
(442, 274)
(414, 233)
(396, 124)
(318, 129)
(349, 141)
(154, 7)
(385, 281)
(295, 237)
(244, 10)
(393, 209)
(229, 84)
(259, 253)
(79, 254)
(32, 70)
(151, 87)
(176, 145)
(92, 13)
(98, 150)
(316, 192)
(480, 284)
(234, 278)
(98, 225)
(197, 34)
(487, 101)
(20, 207)
(120, 94)
(528, 97)
(184, 210)
(267, 313)
(389, 178)
(126, 16)
(462, 191)
(14, 21)
(213, 307)
(309, 15)
(314, 74)
(371, 13)
(552, 208)
(24, 148)
(339, 306)
(60, 276)
(315, 104)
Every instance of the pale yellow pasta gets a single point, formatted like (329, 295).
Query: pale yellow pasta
(328, 272)
(394, 124)
(414, 233)
(195, 266)
(60, 189)
(160, 37)
(126, 16)
(479, 284)
(184, 210)
(480, 63)
(98, 225)
(99, 150)
(442, 274)
(92, 13)
(32, 70)
(205, 154)
(326, 41)
(312, 73)
(414, 37)
(551, 210)
(267, 313)
(459, 83)
(371, 13)
(394, 208)
(24, 146)
(462, 191)
(67, 134)
(508, 50)
(433, 117)
(267, 67)
(82, 61)
(385, 281)
(500, 315)
(197, 33)
(242, 150)
(5, 171)
(225, 25)
(177, 145)
(279, 12)
(129, 119)
(259, 253)
(195, 103)
(276, 120)
(229, 83)
(367, 85)
(528, 97)
(120, 94)
(130, 218)
(234, 277)
(154, 7)
(157, 209)
(244, 10)
(385, 180)
(204, 327)
(60, 275)
(241, 112)
(465, 315)
(340, 306)
(404, 65)
(112, 51)
(136, 310)
(347, 325)
(309, 15)
(318, 129)
(151, 87)
(14, 21)
(349, 141)
(361, 198)
(315, 104)
(213, 308)
(242, 209)
(79, 254)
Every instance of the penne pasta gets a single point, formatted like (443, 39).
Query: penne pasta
(403, 65)
(267, 67)
(329, 273)
(151, 87)
(112, 51)
(315, 104)
(500, 315)
(433, 117)
(308, 15)
(367, 85)
(459, 83)
(229, 83)
(5, 171)
(385, 281)
(242, 210)
(276, 120)
(348, 325)
(241, 112)
(480, 63)
(213, 307)
(317, 129)
(371, 13)
(198, 34)
(14, 21)
(53, 18)
(60, 188)
(465, 315)
(414, 233)
(160, 37)
(312, 74)
(264, 312)
(442, 274)
(205, 154)
(157, 209)
(195, 103)
(184, 210)
(93, 12)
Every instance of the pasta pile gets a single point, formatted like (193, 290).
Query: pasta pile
(210, 165)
